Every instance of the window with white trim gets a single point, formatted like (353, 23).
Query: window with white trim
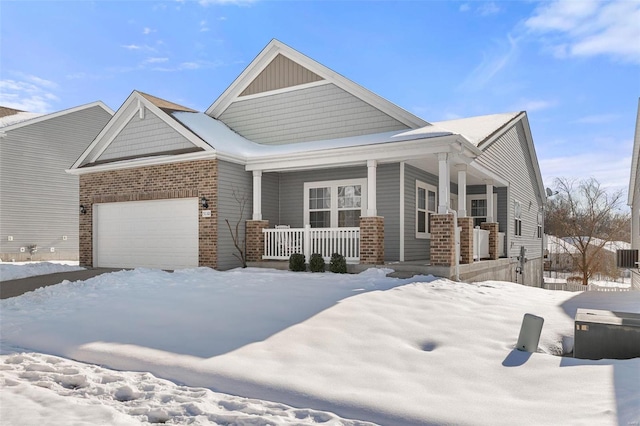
(426, 205)
(517, 214)
(334, 204)
(477, 208)
(540, 225)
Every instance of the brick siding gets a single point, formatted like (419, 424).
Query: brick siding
(466, 239)
(372, 240)
(175, 180)
(492, 227)
(443, 246)
(255, 239)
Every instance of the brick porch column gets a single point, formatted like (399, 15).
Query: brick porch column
(255, 239)
(466, 239)
(443, 244)
(492, 227)
(371, 240)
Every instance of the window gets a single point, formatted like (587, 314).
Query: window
(334, 204)
(477, 208)
(517, 214)
(426, 204)
(540, 225)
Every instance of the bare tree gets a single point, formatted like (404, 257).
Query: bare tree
(584, 214)
(236, 235)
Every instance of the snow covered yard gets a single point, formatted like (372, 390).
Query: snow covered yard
(368, 347)
(16, 270)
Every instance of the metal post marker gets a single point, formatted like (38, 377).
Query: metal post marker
(530, 333)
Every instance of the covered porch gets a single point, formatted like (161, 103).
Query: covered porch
(410, 202)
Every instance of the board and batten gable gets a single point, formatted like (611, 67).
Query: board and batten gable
(39, 201)
(235, 187)
(308, 114)
(143, 136)
(509, 157)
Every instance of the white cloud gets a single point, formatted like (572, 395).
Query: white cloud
(488, 8)
(464, 7)
(589, 28)
(534, 105)
(203, 26)
(491, 65)
(156, 60)
(225, 2)
(597, 119)
(30, 93)
(147, 30)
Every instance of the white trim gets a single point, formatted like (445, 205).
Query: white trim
(402, 163)
(257, 195)
(283, 90)
(333, 185)
(116, 133)
(147, 161)
(471, 197)
(57, 114)
(276, 47)
(427, 187)
(372, 209)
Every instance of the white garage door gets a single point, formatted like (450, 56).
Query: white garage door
(152, 234)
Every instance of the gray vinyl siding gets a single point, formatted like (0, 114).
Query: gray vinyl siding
(414, 248)
(509, 157)
(232, 177)
(144, 136)
(282, 72)
(270, 198)
(388, 200)
(292, 190)
(315, 113)
(38, 200)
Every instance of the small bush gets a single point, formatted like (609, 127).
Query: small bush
(316, 264)
(296, 262)
(338, 264)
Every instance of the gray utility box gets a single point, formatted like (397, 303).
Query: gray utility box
(606, 334)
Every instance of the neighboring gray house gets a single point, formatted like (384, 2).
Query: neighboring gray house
(339, 168)
(38, 200)
(634, 203)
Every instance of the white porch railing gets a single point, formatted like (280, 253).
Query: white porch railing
(480, 244)
(280, 244)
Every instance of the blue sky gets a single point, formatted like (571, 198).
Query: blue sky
(574, 66)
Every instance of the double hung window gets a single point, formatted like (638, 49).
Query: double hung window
(334, 204)
(426, 205)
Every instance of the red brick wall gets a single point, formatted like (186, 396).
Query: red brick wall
(443, 247)
(175, 180)
(255, 239)
(492, 227)
(466, 239)
(372, 240)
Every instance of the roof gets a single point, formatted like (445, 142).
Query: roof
(9, 116)
(275, 48)
(478, 129)
(634, 160)
(15, 121)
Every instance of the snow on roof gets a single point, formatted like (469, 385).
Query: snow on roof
(19, 117)
(223, 139)
(477, 129)
(568, 244)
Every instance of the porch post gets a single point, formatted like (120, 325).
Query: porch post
(462, 190)
(490, 212)
(257, 195)
(371, 188)
(443, 182)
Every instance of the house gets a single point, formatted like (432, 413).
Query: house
(38, 200)
(293, 144)
(633, 201)
(563, 255)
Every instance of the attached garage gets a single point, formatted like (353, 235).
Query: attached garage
(154, 234)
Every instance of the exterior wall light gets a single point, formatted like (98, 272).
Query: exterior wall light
(83, 210)
(204, 202)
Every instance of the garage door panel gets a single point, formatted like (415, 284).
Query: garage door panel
(153, 234)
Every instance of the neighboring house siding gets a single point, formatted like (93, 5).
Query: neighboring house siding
(414, 248)
(316, 113)
(38, 200)
(292, 190)
(144, 136)
(388, 200)
(233, 182)
(282, 72)
(508, 158)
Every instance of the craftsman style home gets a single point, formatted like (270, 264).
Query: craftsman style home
(301, 159)
(38, 200)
